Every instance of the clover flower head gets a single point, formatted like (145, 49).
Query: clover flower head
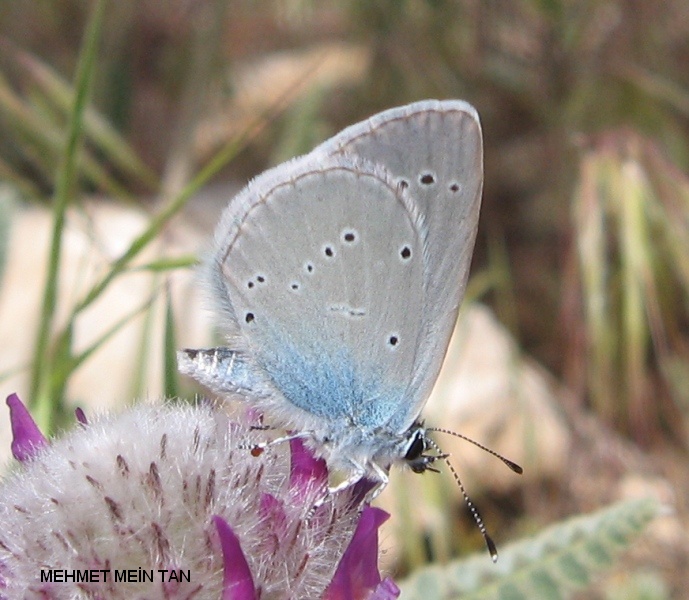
(171, 491)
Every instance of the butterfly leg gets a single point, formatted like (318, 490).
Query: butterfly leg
(383, 480)
(257, 449)
(357, 473)
(355, 476)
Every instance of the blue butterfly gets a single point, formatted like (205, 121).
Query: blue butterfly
(339, 275)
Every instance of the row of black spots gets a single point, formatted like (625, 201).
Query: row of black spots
(348, 237)
(428, 179)
(424, 179)
(295, 286)
(258, 280)
(405, 250)
(405, 253)
(309, 269)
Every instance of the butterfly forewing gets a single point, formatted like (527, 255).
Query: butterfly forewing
(323, 268)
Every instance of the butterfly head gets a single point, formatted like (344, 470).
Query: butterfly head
(416, 443)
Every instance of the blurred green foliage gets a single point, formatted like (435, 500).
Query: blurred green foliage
(552, 565)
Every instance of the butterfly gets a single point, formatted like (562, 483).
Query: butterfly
(339, 275)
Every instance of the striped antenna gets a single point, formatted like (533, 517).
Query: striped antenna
(512, 465)
(474, 511)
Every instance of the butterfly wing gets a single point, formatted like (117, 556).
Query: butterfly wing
(435, 148)
(340, 273)
(319, 268)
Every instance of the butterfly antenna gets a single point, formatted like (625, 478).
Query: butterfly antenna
(474, 511)
(512, 465)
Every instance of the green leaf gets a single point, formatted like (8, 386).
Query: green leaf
(563, 558)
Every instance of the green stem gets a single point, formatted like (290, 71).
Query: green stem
(44, 406)
(159, 221)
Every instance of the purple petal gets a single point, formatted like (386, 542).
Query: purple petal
(386, 590)
(357, 574)
(238, 584)
(306, 471)
(361, 489)
(27, 438)
(81, 416)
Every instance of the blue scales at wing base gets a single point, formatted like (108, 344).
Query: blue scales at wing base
(329, 385)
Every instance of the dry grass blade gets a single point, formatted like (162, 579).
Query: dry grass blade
(632, 242)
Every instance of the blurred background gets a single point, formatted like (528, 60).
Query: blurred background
(572, 352)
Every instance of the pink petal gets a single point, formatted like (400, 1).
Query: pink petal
(361, 489)
(386, 590)
(81, 416)
(27, 439)
(357, 575)
(238, 584)
(306, 471)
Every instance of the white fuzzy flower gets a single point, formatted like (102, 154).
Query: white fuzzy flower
(165, 502)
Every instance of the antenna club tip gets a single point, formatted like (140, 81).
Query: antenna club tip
(492, 549)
